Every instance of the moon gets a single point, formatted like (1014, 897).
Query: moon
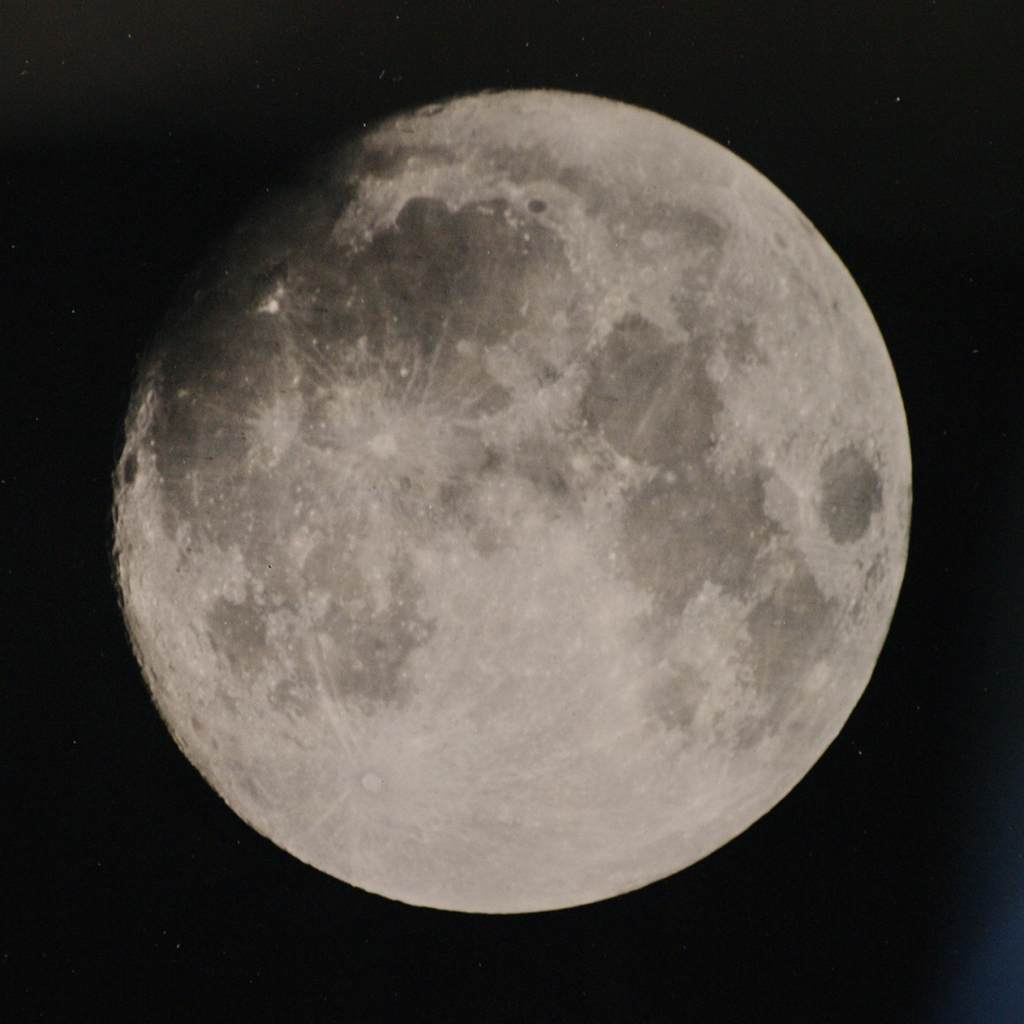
(514, 510)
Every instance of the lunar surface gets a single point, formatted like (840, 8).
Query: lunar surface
(514, 510)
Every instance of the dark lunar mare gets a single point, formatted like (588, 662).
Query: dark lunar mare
(851, 492)
(393, 310)
(654, 403)
(581, 452)
(390, 313)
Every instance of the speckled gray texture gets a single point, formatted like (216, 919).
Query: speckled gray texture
(536, 461)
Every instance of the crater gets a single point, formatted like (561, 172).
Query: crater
(851, 493)
(129, 468)
(372, 782)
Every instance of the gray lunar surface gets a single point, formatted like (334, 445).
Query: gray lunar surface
(515, 509)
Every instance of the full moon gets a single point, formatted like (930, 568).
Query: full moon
(514, 509)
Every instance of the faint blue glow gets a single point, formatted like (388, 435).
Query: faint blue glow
(990, 987)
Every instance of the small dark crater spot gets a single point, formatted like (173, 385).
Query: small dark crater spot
(492, 460)
(129, 469)
(780, 241)
(851, 492)
(537, 206)
(432, 111)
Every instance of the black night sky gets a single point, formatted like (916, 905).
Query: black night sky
(888, 886)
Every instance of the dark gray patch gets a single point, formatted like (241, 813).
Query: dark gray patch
(494, 399)
(390, 162)
(546, 467)
(536, 206)
(238, 632)
(231, 503)
(698, 229)
(851, 492)
(780, 241)
(442, 276)
(876, 573)
(129, 468)
(698, 528)
(790, 630)
(493, 460)
(524, 164)
(210, 379)
(449, 275)
(675, 698)
(739, 344)
(462, 384)
(747, 731)
(628, 374)
(331, 567)
(653, 402)
(693, 312)
(372, 644)
(457, 504)
(489, 538)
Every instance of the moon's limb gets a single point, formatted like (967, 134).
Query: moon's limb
(519, 511)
